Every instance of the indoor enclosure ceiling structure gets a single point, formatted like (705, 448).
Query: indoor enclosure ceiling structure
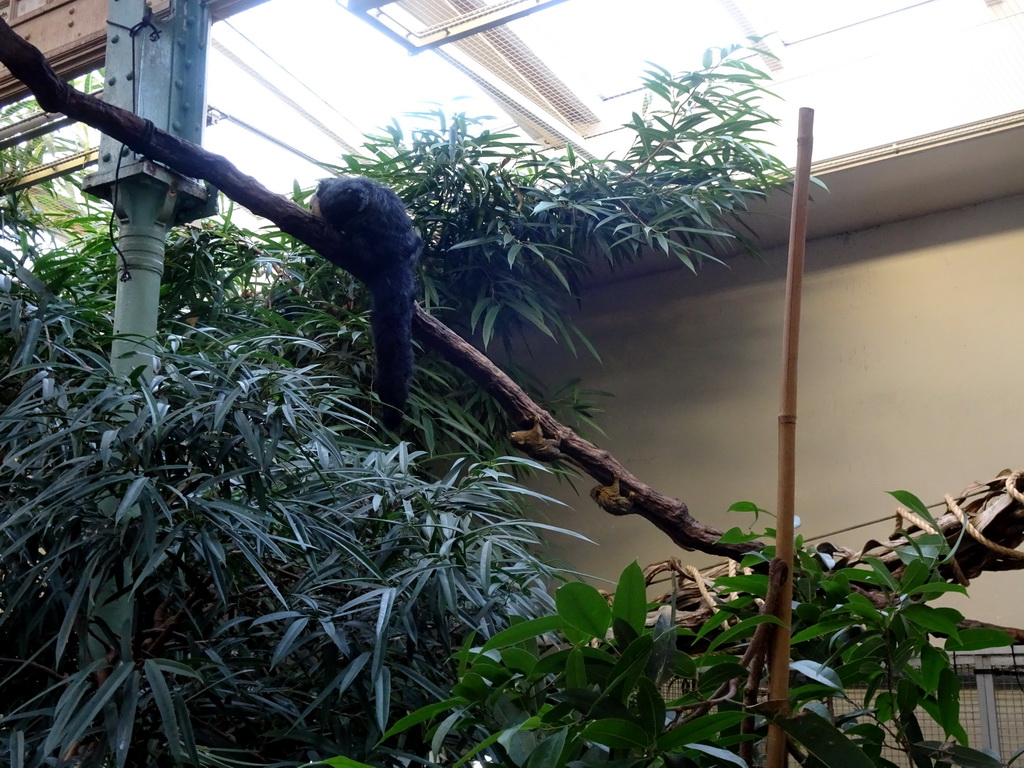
(294, 84)
(877, 72)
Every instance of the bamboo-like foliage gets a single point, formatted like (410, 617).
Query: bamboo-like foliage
(292, 582)
(511, 230)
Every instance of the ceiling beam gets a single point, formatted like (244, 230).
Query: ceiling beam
(72, 34)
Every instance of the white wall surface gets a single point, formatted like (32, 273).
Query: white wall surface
(911, 377)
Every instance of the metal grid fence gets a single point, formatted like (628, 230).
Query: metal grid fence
(991, 704)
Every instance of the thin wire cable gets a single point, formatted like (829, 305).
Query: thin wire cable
(290, 74)
(133, 32)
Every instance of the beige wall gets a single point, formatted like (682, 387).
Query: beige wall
(911, 377)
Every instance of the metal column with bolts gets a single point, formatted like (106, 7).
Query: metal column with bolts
(156, 67)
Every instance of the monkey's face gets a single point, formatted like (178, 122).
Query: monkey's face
(339, 199)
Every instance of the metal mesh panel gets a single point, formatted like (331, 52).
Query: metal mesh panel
(1009, 708)
(991, 704)
(501, 52)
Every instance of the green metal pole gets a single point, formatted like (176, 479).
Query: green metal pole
(155, 67)
(144, 221)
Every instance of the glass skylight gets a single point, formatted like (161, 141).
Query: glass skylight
(876, 72)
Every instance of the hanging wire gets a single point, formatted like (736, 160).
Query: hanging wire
(133, 33)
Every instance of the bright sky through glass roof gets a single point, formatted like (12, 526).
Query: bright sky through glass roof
(875, 71)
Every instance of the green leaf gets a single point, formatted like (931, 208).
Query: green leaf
(955, 754)
(742, 629)
(753, 584)
(548, 752)
(422, 715)
(524, 630)
(977, 639)
(744, 506)
(582, 607)
(933, 661)
(823, 740)
(947, 698)
(165, 705)
(906, 696)
(544, 205)
(827, 627)
(937, 588)
(699, 729)
(575, 670)
(650, 707)
(630, 603)
(716, 752)
(914, 504)
(817, 672)
(737, 535)
(342, 762)
(942, 620)
(616, 733)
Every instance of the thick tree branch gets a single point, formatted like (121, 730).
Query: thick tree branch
(25, 62)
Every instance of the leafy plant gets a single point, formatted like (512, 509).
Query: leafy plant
(585, 685)
(511, 230)
(224, 565)
(582, 686)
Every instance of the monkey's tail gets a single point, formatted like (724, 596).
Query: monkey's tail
(391, 323)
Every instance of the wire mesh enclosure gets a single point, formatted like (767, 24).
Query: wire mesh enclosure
(991, 704)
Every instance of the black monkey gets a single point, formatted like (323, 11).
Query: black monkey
(373, 219)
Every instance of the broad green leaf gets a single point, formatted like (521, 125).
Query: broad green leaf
(744, 506)
(827, 627)
(817, 672)
(616, 733)
(524, 630)
(907, 695)
(630, 603)
(933, 661)
(914, 504)
(699, 729)
(422, 715)
(915, 575)
(978, 639)
(937, 588)
(341, 762)
(650, 707)
(549, 750)
(956, 754)
(716, 752)
(737, 535)
(947, 699)
(943, 620)
(583, 608)
(575, 670)
(743, 629)
(754, 584)
(823, 740)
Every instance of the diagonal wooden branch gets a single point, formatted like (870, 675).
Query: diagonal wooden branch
(669, 515)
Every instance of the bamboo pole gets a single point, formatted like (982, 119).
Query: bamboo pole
(778, 680)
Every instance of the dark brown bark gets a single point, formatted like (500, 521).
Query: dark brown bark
(669, 515)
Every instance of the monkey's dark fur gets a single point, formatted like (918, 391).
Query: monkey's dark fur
(373, 219)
